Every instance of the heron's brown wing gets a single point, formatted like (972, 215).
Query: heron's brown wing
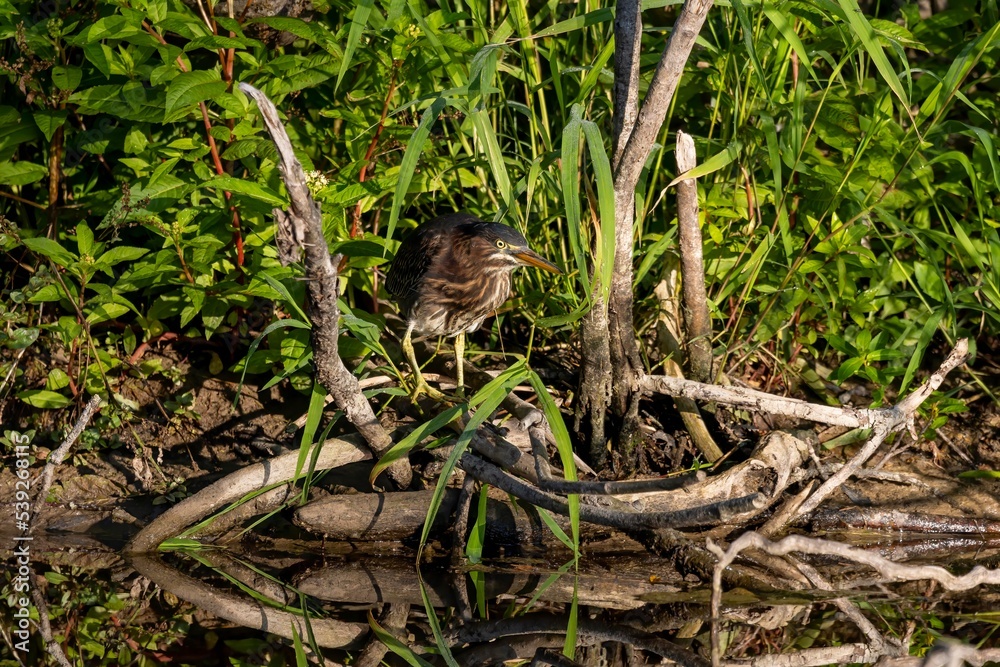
(417, 252)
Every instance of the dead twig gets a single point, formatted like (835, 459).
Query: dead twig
(886, 568)
(56, 457)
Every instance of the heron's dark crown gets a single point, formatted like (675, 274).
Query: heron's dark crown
(488, 246)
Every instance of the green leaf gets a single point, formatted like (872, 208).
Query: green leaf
(248, 188)
(846, 370)
(414, 438)
(712, 164)
(477, 536)
(747, 29)
(20, 338)
(565, 448)
(578, 22)
(780, 21)
(863, 30)
(606, 202)
(240, 149)
(100, 56)
(273, 326)
(45, 399)
(21, 173)
(66, 77)
(594, 75)
(280, 288)
(135, 140)
(930, 280)
(109, 27)
(105, 312)
(396, 646)
(490, 146)
(488, 399)
(570, 180)
(190, 88)
(195, 299)
(84, 239)
(923, 341)
(50, 249)
(50, 120)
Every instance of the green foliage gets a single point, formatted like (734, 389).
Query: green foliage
(849, 179)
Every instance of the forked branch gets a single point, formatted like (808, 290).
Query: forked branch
(321, 273)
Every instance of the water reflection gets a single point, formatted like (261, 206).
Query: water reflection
(247, 606)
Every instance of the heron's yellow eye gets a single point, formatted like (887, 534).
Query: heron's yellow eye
(501, 244)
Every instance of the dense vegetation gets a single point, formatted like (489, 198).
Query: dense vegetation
(849, 181)
(849, 192)
(849, 188)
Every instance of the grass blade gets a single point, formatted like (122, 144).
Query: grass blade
(490, 146)
(863, 30)
(410, 159)
(605, 252)
(747, 28)
(712, 164)
(403, 447)
(396, 646)
(358, 23)
(570, 180)
(565, 447)
(488, 398)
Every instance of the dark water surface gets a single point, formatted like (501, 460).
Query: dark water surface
(250, 604)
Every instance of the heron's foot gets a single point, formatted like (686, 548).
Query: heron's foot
(422, 388)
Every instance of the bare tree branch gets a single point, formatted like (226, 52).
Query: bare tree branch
(628, 38)
(698, 322)
(660, 93)
(799, 544)
(322, 305)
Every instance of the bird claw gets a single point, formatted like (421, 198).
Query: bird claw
(421, 387)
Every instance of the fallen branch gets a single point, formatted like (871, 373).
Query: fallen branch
(882, 421)
(333, 453)
(889, 570)
(717, 512)
(888, 418)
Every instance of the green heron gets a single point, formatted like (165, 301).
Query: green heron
(449, 274)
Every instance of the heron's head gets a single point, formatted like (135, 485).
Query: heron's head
(502, 246)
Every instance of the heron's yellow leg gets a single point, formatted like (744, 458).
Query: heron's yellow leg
(420, 385)
(459, 363)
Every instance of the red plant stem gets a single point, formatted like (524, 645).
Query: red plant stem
(143, 346)
(356, 217)
(237, 231)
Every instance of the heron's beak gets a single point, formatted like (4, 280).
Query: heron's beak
(529, 257)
